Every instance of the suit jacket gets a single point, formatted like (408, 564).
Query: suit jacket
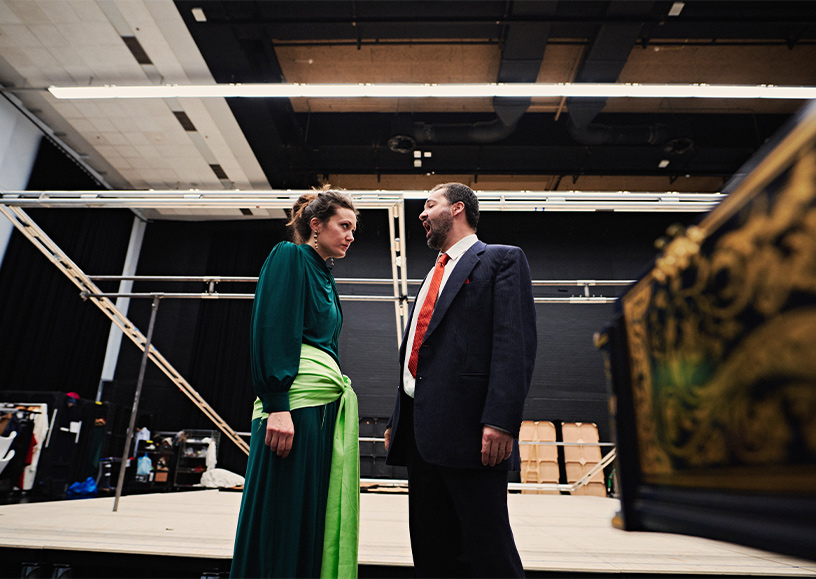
(475, 363)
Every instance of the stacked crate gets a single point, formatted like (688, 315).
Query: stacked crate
(539, 463)
(578, 460)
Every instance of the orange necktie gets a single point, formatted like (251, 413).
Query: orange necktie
(427, 311)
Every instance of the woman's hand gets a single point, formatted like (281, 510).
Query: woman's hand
(280, 431)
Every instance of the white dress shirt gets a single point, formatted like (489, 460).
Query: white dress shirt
(454, 253)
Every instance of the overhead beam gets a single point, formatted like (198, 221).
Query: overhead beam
(391, 200)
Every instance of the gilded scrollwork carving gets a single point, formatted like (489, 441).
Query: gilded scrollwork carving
(722, 337)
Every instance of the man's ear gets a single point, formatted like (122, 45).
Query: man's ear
(457, 208)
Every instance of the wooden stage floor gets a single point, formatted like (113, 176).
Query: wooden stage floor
(570, 534)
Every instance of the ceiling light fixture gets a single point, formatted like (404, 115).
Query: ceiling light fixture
(676, 8)
(408, 90)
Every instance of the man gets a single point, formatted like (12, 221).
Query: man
(461, 394)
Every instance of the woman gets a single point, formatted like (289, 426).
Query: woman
(294, 519)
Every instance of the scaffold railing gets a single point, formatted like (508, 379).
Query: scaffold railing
(211, 292)
(13, 203)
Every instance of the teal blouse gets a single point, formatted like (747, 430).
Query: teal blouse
(296, 303)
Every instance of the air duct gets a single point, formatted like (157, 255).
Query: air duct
(507, 117)
(599, 134)
(605, 59)
(522, 53)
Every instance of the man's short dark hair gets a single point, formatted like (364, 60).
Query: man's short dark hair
(455, 192)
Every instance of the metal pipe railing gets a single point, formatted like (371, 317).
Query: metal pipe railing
(347, 298)
(342, 280)
(211, 292)
(568, 487)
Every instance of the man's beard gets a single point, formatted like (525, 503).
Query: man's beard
(440, 228)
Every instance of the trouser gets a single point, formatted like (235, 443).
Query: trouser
(458, 519)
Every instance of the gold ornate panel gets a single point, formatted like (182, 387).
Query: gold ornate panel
(722, 337)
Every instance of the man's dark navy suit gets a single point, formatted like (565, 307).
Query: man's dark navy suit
(474, 369)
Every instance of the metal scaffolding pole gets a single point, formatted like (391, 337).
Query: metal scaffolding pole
(13, 202)
(403, 263)
(129, 438)
(344, 298)
(399, 266)
(570, 201)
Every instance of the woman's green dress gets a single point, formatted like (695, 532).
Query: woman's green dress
(281, 523)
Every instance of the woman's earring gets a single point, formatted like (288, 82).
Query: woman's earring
(315, 239)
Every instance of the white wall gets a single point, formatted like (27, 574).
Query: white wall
(19, 142)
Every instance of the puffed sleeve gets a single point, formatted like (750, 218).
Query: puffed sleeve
(277, 326)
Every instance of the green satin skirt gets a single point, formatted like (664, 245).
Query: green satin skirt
(281, 524)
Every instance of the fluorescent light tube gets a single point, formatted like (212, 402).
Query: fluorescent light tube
(488, 90)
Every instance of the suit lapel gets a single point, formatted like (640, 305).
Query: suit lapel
(455, 282)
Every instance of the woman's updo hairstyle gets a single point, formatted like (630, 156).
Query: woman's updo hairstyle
(322, 204)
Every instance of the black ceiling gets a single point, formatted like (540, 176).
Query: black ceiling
(297, 149)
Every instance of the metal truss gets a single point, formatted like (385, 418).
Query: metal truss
(12, 204)
(622, 201)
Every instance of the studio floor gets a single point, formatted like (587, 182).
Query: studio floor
(568, 534)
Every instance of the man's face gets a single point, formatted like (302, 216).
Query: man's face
(437, 220)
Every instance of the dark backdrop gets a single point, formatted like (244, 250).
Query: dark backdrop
(207, 341)
(52, 340)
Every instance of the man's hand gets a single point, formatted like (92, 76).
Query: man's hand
(280, 431)
(387, 436)
(497, 445)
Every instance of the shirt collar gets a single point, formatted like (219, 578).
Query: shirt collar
(461, 246)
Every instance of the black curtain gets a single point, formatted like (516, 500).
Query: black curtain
(207, 341)
(56, 342)
(221, 341)
(50, 338)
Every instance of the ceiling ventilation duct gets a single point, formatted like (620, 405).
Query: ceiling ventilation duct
(604, 62)
(599, 134)
(522, 52)
(507, 117)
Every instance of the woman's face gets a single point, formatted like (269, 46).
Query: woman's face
(335, 236)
